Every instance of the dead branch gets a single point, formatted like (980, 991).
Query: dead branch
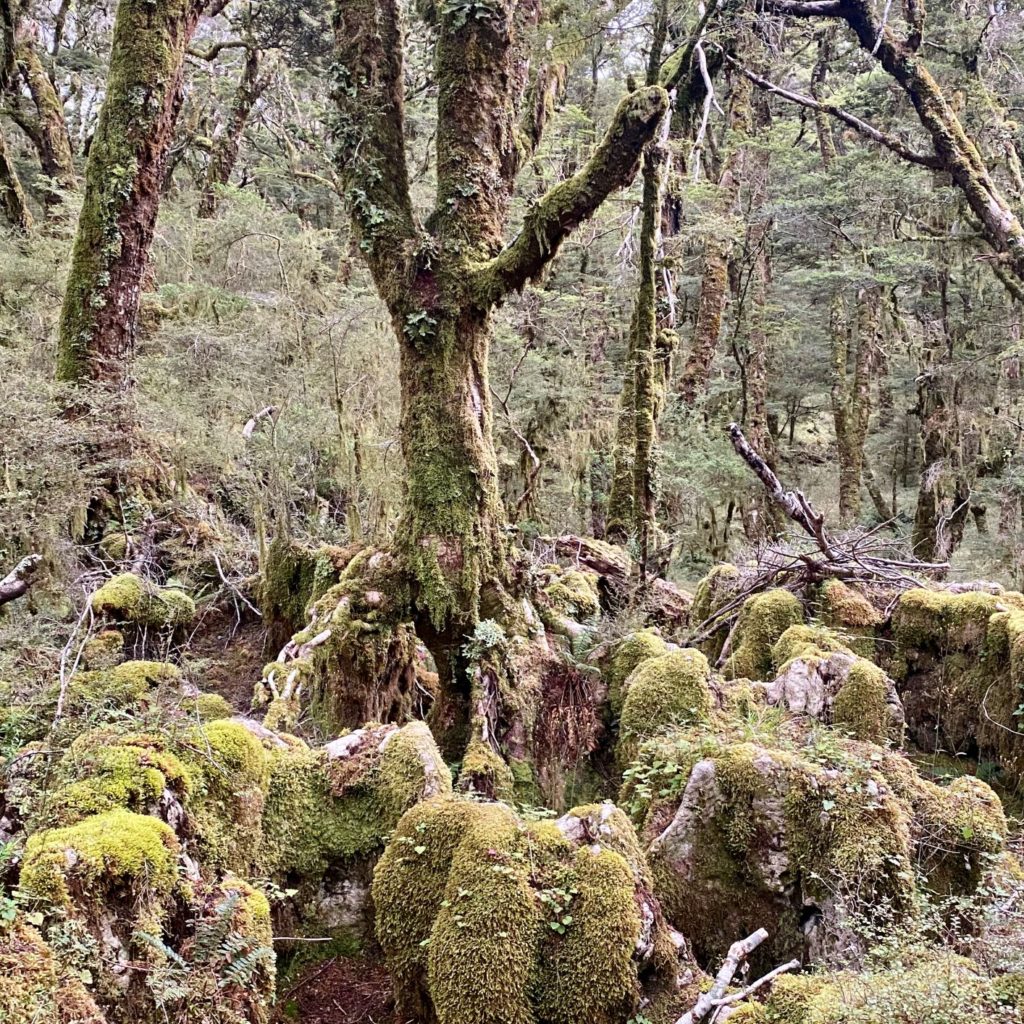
(250, 427)
(738, 952)
(16, 583)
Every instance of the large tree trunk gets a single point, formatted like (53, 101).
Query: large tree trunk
(228, 143)
(50, 129)
(99, 321)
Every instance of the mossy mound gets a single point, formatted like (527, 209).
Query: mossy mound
(669, 689)
(763, 619)
(820, 677)
(485, 918)
(714, 591)
(958, 660)
(567, 598)
(105, 650)
(813, 843)
(130, 598)
(626, 654)
(937, 987)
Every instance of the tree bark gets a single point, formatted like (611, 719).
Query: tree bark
(12, 195)
(228, 143)
(125, 169)
(51, 130)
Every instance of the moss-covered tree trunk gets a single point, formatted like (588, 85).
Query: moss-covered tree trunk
(99, 320)
(440, 278)
(853, 349)
(227, 145)
(12, 195)
(50, 130)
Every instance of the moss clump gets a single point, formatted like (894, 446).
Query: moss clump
(129, 598)
(672, 688)
(36, 987)
(805, 642)
(124, 685)
(486, 772)
(113, 852)
(103, 651)
(762, 622)
(572, 592)
(626, 655)
(208, 707)
(321, 810)
(484, 918)
(862, 705)
(107, 772)
(713, 591)
(944, 622)
(851, 614)
(934, 986)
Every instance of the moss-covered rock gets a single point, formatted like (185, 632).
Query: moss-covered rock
(484, 918)
(130, 598)
(38, 987)
(672, 688)
(485, 772)
(763, 619)
(625, 655)
(103, 651)
(850, 613)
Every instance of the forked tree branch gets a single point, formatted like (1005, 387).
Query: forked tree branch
(16, 583)
(568, 204)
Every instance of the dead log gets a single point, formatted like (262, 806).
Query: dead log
(16, 583)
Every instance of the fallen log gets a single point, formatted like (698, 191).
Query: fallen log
(16, 583)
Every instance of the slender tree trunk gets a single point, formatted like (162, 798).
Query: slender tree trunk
(852, 355)
(12, 195)
(228, 143)
(51, 134)
(99, 321)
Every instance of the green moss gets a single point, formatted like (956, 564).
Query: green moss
(763, 619)
(861, 706)
(713, 591)
(851, 614)
(672, 688)
(940, 621)
(627, 654)
(114, 851)
(572, 592)
(37, 987)
(103, 651)
(209, 707)
(129, 598)
(805, 642)
(124, 685)
(485, 771)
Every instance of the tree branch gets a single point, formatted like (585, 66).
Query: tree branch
(613, 165)
(16, 583)
(369, 132)
(869, 131)
(738, 952)
(215, 49)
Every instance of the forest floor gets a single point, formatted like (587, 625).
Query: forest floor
(342, 990)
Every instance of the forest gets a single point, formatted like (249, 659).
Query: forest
(511, 512)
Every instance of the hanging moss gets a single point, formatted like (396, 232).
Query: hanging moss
(763, 620)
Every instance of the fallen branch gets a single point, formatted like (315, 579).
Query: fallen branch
(250, 427)
(16, 583)
(738, 952)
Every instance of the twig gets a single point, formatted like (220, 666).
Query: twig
(738, 952)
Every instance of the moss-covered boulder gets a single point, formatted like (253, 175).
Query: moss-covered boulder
(619, 660)
(819, 677)
(485, 918)
(669, 689)
(762, 621)
(130, 598)
(812, 842)
(958, 661)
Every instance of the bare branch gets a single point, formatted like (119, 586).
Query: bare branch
(738, 952)
(869, 131)
(16, 583)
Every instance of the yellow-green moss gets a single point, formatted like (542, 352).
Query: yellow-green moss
(36, 987)
(763, 620)
(805, 642)
(713, 591)
(672, 688)
(114, 851)
(103, 651)
(572, 592)
(939, 621)
(626, 655)
(209, 707)
(861, 707)
(131, 682)
(129, 598)
(486, 772)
